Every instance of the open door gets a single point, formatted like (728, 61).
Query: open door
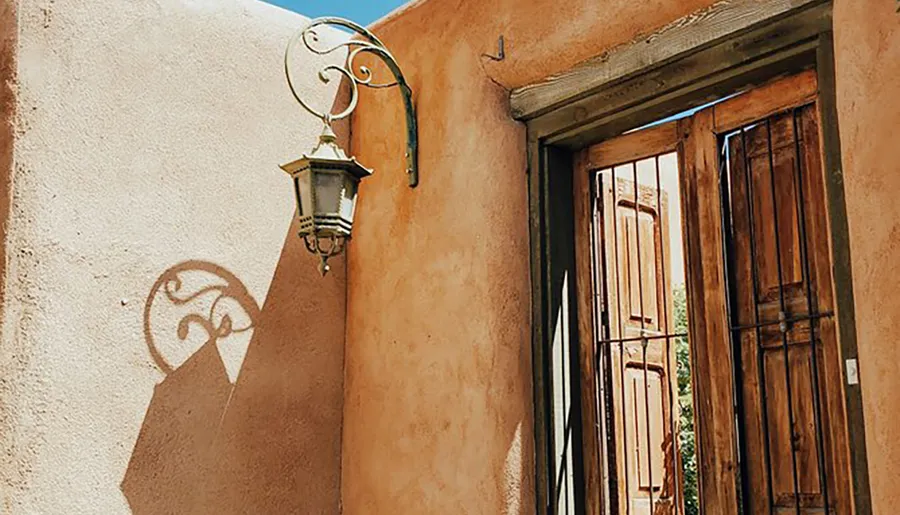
(634, 337)
(638, 302)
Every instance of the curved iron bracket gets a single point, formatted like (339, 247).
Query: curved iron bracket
(356, 76)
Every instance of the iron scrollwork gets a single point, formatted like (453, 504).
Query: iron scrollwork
(356, 76)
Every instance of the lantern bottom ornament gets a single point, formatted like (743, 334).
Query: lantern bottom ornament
(325, 247)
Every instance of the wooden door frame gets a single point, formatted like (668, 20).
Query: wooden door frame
(727, 48)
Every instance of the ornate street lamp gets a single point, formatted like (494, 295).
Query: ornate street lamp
(326, 181)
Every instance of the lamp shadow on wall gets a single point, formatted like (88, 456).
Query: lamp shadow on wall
(248, 416)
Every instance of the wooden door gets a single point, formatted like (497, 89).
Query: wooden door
(785, 354)
(638, 301)
(633, 385)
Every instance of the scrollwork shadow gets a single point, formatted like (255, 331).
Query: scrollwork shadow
(215, 321)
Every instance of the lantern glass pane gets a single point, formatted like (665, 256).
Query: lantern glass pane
(329, 188)
(304, 193)
(348, 198)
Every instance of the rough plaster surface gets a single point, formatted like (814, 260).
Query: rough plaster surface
(438, 395)
(149, 134)
(867, 46)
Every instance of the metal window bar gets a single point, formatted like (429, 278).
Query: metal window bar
(785, 322)
(597, 325)
(731, 300)
(810, 308)
(601, 299)
(615, 225)
(760, 358)
(649, 337)
(607, 342)
(644, 342)
(783, 314)
(675, 480)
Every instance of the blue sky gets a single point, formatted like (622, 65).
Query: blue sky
(363, 12)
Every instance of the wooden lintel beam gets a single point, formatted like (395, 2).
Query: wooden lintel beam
(688, 34)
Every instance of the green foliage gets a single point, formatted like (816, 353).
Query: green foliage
(686, 436)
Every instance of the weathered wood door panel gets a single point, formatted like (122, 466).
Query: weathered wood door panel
(785, 350)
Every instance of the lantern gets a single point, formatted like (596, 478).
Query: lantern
(325, 183)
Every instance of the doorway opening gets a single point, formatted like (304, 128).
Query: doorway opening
(577, 126)
(713, 346)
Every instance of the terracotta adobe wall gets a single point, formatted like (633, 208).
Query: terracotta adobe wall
(147, 145)
(438, 395)
(438, 378)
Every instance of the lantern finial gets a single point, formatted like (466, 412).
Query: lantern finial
(327, 147)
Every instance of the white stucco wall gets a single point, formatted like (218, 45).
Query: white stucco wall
(149, 134)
